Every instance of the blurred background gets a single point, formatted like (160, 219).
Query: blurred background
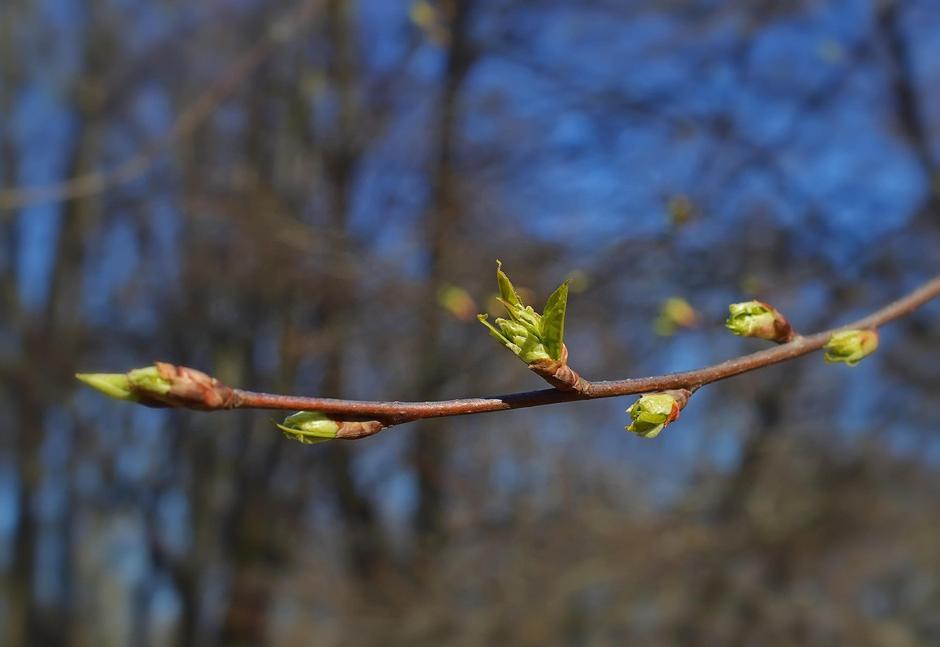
(310, 195)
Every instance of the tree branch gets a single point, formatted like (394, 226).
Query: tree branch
(167, 385)
(393, 413)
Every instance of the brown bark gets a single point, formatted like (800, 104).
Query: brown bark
(441, 225)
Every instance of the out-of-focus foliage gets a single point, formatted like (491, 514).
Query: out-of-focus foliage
(304, 238)
(674, 314)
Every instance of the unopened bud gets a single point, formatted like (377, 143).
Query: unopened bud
(315, 427)
(163, 385)
(309, 427)
(758, 319)
(654, 411)
(851, 346)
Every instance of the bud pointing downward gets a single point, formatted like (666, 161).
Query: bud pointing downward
(758, 319)
(851, 346)
(654, 411)
(309, 427)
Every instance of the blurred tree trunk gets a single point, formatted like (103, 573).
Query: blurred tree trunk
(909, 111)
(43, 367)
(248, 544)
(342, 153)
(245, 620)
(10, 80)
(18, 580)
(713, 601)
(429, 454)
(14, 593)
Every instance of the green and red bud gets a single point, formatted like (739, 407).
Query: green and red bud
(758, 319)
(851, 346)
(654, 411)
(163, 385)
(311, 427)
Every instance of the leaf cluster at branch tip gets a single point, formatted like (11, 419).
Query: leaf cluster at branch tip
(529, 335)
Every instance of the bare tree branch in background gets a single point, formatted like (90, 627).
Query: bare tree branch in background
(194, 115)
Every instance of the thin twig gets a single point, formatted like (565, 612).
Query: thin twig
(392, 413)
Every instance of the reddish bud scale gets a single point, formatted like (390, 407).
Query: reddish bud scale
(681, 397)
(783, 331)
(190, 388)
(353, 430)
(557, 373)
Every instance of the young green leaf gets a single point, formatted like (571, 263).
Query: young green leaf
(506, 290)
(532, 350)
(499, 336)
(115, 385)
(525, 316)
(553, 321)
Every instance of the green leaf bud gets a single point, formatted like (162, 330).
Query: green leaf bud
(654, 411)
(497, 334)
(164, 385)
(514, 332)
(851, 346)
(309, 427)
(758, 319)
